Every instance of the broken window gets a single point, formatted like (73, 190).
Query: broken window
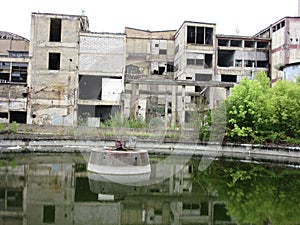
(19, 72)
(54, 61)
(90, 87)
(106, 112)
(223, 42)
(162, 51)
(49, 214)
(208, 60)
(19, 117)
(228, 78)
(208, 35)
(236, 43)
(203, 77)
(170, 67)
(55, 30)
(263, 64)
(4, 77)
(249, 63)
(161, 70)
(199, 35)
(249, 44)
(262, 44)
(238, 63)
(4, 115)
(225, 58)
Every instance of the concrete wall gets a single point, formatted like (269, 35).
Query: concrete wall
(53, 92)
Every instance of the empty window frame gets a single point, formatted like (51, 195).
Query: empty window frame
(55, 30)
(54, 61)
(19, 72)
(225, 58)
(208, 61)
(236, 43)
(263, 64)
(4, 77)
(203, 77)
(228, 78)
(49, 214)
(262, 44)
(223, 42)
(249, 44)
(199, 35)
(90, 87)
(194, 62)
(162, 51)
(17, 116)
(249, 63)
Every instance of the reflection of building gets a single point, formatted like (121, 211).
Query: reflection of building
(80, 77)
(13, 77)
(60, 193)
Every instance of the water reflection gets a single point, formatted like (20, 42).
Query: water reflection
(57, 189)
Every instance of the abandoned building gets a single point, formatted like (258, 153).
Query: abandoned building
(68, 75)
(13, 77)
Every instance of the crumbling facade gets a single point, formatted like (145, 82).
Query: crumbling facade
(53, 72)
(13, 77)
(101, 76)
(72, 76)
(285, 44)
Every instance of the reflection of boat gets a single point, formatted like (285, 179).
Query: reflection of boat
(119, 160)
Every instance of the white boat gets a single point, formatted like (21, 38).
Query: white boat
(119, 160)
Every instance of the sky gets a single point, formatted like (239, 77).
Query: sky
(232, 17)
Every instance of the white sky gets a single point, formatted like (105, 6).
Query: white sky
(249, 17)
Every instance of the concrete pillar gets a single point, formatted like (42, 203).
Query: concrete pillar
(166, 212)
(174, 105)
(183, 106)
(166, 112)
(134, 100)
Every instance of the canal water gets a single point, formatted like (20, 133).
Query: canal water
(57, 189)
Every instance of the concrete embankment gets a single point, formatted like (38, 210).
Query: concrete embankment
(45, 143)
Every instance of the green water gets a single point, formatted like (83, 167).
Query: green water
(57, 189)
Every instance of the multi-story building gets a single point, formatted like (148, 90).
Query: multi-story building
(77, 76)
(101, 76)
(13, 77)
(285, 44)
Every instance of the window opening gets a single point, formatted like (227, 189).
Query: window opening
(228, 78)
(261, 44)
(49, 214)
(200, 35)
(55, 30)
(208, 60)
(54, 61)
(249, 44)
(162, 51)
(208, 35)
(236, 43)
(170, 67)
(203, 77)
(17, 116)
(161, 70)
(223, 42)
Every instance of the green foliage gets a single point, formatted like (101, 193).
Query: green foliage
(11, 128)
(261, 114)
(117, 121)
(255, 193)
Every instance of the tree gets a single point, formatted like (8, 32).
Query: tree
(247, 109)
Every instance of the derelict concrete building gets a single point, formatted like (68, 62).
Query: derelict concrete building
(76, 76)
(13, 77)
